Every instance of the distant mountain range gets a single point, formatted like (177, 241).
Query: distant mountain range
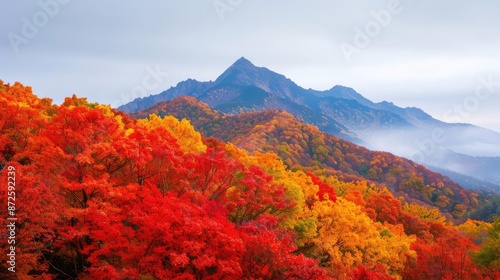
(409, 132)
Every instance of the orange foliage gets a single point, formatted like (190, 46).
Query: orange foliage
(102, 196)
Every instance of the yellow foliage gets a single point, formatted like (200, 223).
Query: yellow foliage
(475, 229)
(187, 137)
(432, 215)
(349, 237)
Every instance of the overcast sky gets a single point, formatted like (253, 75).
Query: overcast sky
(441, 56)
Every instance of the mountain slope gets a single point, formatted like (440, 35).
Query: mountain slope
(338, 111)
(189, 87)
(300, 144)
(341, 111)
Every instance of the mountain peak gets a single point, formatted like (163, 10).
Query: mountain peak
(241, 67)
(339, 91)
(242, 62)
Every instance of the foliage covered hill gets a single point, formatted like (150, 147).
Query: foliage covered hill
(341, 111)
(98, 195)
(300, 144)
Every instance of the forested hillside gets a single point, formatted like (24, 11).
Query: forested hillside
(101, 195)
(345, 113)
(302, 145)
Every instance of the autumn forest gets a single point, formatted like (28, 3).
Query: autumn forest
(181, 191)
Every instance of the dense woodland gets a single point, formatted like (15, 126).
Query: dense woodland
(101, 195)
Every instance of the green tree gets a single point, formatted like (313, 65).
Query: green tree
(489, 255)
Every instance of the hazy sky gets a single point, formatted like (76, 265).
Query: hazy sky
(441, 56)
